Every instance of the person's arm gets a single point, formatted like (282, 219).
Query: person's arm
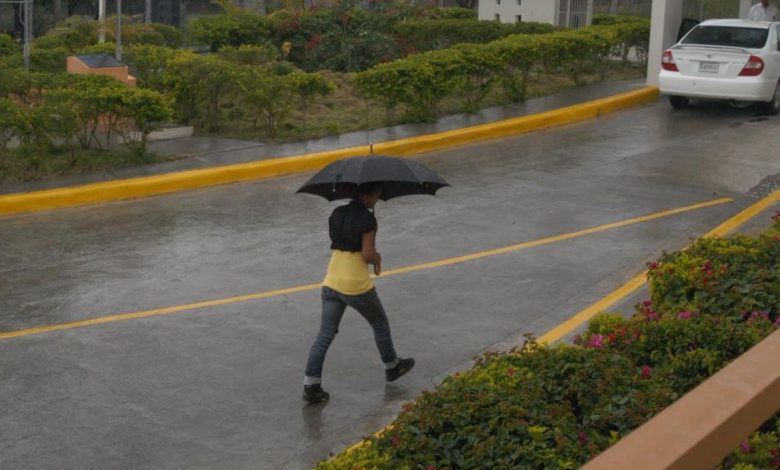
(370, 255)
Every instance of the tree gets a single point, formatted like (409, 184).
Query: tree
(309, 86)
(266, 97)
(479, 65)
(57, 120)
(199, 85)
(141, 112)
(9, 117)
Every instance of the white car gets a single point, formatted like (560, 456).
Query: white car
(725, 60)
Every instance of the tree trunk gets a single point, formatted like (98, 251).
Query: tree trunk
(57, 10)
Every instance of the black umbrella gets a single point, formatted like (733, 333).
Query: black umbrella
(398, 176)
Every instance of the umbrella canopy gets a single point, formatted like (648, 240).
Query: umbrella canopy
(398, 176)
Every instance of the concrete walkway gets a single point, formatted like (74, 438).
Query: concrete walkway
(204, 152)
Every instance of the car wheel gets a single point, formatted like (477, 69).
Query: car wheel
(679, 102)
(773, 107)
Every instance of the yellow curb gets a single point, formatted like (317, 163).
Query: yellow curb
(194, 179)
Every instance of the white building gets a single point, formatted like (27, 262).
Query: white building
(567, 13)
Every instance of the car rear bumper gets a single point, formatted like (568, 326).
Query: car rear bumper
(741, 88)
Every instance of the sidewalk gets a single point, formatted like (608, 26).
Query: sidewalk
(205, 152)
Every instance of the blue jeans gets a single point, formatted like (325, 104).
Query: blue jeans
(333, 306)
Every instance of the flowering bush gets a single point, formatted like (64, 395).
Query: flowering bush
(557, 407)
(739, 275)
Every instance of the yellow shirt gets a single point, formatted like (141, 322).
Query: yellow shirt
(348, 273)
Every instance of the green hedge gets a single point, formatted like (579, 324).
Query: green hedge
(232, 29)
(422, 81)
(428, 34)
(557, 407)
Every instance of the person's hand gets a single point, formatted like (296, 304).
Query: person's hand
(378, 265)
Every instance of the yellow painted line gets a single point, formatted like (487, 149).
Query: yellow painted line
(727, 227)
(392, 272)
(623, 291)
(195, 179)
(580, 318)
(556, 238)
(157, 311)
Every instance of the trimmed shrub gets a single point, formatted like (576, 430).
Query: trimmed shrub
(518, 55)
(8, 47)
(72, 34)
(309, 86)
(52, 60)
(199, 86)
(231, 29)
(480, 67)
(154, 33)
(738, 274)
(427, 34)
(140, 112)
(420, 82)
(150, 64)
(105, 48)
(250, 54)
(266, 97)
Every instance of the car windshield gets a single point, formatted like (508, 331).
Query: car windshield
(750, 38)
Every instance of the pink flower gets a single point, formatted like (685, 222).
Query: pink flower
(582, 437)
(395, 441)
(647, 372)
(777, 321)
(651, 315)
(647, 303)
(577, 339)
(510, 371)
(595, 341)
(653, 266)
(430, 467)
(758, 316)
(745, 446)
(684, 315)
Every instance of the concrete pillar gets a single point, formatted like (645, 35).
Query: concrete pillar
(664, 25)
(744, 8)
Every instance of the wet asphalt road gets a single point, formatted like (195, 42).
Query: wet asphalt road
(219, 387)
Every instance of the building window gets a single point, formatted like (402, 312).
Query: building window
(498, 17)
(573, 13)
(519, 18)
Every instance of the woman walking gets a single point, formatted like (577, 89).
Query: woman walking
(353, 229)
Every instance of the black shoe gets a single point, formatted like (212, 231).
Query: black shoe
(403, 366)
(315, 393)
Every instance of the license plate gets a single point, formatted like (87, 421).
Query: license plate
(708, 67)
